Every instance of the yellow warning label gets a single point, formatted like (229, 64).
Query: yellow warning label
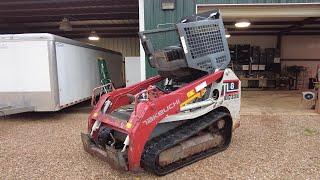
(128, 125)
(203, 91)
(190, 93)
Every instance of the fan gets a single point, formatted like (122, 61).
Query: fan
(309, 96)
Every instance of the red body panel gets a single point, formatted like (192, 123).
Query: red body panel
(146, 115)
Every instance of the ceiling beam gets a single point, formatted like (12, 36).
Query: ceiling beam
(15, 16)
(71, 32)
(272, 34)
(101, 16)
(3, 26)
(272, 23)
(86, 35)
(302, 33)
(98, 32)
(106, 35)
(271, 29)
(101, 36)
(299, 24)
(25, 27)
(23, 4)
(253, 34)
(67, 11)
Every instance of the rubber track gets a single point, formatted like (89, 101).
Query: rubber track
(153, 147)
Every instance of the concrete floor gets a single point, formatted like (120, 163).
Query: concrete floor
(275, 103)
(266, 146)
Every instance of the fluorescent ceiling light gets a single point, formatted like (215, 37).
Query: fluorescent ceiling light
(242, 23)
(65, 25)
(227, 33)
(93, 36)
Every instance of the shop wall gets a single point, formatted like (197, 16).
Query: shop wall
(128, 46)
(301, 51)
(262, 41)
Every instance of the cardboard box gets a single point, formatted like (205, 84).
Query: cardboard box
(262, 67)
(254, 67)
(245, 67)
(276, 60)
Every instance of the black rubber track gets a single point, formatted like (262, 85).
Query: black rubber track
(153, 148)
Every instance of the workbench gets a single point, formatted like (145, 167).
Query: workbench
(264, 82)
(245, 82)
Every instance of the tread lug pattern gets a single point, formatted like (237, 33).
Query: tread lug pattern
(155, 146)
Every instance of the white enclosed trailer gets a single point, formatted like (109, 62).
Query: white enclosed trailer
(44, 72)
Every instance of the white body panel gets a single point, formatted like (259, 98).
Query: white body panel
(78, 72)
(229, 97)
(132, 66)
(49, 72)
(17, 59)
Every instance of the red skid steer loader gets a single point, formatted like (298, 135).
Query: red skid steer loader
(184, 114)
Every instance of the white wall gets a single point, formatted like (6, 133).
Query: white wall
(262, 41)
(301, 51)
(300, 47)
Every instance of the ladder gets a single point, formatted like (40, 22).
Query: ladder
(104, 75)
